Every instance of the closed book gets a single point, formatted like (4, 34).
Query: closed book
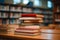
(11, 15)
(7, 22)
(40, 16)
(33, 20)
(29, 10)
(7, 8)
(2, 7)
(25, 10)
(12, 9)
(30, 27)
(28, 15)
(19, 9)
(30, 18)
(27, 31)
(26, 34)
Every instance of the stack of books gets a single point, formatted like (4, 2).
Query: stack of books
(31, 18)
(29, 27)
(28, 30)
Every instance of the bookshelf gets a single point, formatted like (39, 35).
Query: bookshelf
(12, 12)
(56, 12)
(4, 13)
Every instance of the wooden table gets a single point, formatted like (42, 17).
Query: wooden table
(43, 36)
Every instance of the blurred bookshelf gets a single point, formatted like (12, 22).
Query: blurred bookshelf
(56, 10)
(12, 12)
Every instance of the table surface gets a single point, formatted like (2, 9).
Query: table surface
(46, 34)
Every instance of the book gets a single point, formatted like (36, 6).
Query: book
(37, 11)
(28, 15)
(30, 18)
(19, 9)
(2, 7)
(2, 14)
(33, 21)
(16, 15)
(12, 21)
(11, 15)
(7, 21)
(7, 8)
(29, 10)
(17, 21)
(12, 8)
(25, 10)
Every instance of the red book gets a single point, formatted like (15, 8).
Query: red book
(28, 15)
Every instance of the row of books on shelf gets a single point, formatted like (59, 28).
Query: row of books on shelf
(47, 16)
(18, 9)
(12, 21)
(41, 11)
(2, 7)
(14, 15)
(15, 9)
(6, 8)
(48, 21)
(58, 9)
(3, 15)
(11, 15)
(57, 16)
(17, 15)
(27, 10)
(36, 11)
